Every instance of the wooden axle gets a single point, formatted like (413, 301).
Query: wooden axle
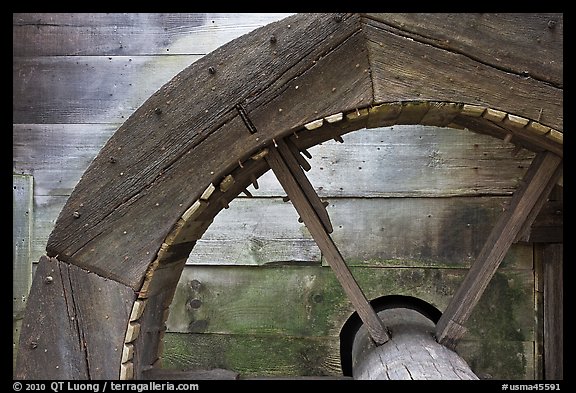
(411, 354)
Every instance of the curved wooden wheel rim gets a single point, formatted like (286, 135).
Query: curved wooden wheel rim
(111, 245)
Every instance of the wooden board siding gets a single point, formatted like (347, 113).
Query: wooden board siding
(22, 235)
(444, 67)
(411, 205)
(239, 304)
(113, 34)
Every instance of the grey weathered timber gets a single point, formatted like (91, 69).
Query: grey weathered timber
(534, 188)
(411, 354)
(22, 210)
(314, 216)
(73, 308)
(423, 67)
(73, 34)
(553, 312)
(508, 40)
(158, 182)
(134, 177)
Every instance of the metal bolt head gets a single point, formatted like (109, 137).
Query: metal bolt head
(48, 280)
(76, 214)
(158, 111)
(212, 70)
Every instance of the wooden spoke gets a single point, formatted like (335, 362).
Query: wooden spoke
(524, 206)
(313, 213)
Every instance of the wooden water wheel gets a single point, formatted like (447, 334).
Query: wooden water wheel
(258, 103)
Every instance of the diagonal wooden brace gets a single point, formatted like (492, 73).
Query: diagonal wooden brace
(313, 214)
(532, 192)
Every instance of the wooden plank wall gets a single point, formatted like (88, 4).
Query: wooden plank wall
(411, 205)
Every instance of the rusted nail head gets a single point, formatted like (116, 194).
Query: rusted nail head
(158, 111)
(211, 70)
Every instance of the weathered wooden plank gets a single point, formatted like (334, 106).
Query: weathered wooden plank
(401, 69)
(409, 161)
(338, 81)
(57, 154)
(22, 216)
(190, 375)
(507, 41)
(536, 185)
(420, 232)
(47, 209)
(313, 214)
(62, 331)
(308, 301)
(113, 34)
(412, 161)
(553, 311)
(268, 355)
(152, 173)
(297, 356)
(548, 227)
(158, 294)
(528, 140)
(255, 232)
(499, 360)
(88, 89)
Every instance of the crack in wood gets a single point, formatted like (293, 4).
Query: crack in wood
(424, 40)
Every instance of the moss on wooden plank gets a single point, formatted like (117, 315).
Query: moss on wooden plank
(273, 355)
(308, 301)
(253, 355)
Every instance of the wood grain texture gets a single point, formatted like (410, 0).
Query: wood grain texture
(67, 342)
(88, 89)
(420, 232)
(411, 354)
(553, 312)
(404, 68)
(507, 41)
(309, 206)
(205, 128)
(57, 154)
(269, 355)
(410, 161)
(536, 185)
(114, 34)
(22, 218)
(244, 299)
